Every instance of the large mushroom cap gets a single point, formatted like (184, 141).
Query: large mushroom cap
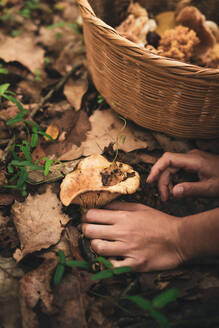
(96, 182)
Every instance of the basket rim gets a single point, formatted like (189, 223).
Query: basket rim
(188, 70)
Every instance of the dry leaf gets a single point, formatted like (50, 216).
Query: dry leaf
(75, 90)
(10, 112)
(35, 288)
(70, 300)
(106, 128)
(74, 125)
(172, 145)
(23, 50)
(9, 300)
(39, 222)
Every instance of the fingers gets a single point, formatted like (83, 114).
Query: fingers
(207, 188)
(100, 231)
(108, 248)
(99, 216)
(123, 206)
(173, 160)
(164, 183)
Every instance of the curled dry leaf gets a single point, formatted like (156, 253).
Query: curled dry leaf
(23, 50)
(35, 289)
(39, 222)
(96, 182)
(74, 91)
(106, 128)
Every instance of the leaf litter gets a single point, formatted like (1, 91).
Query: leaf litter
(43, 51)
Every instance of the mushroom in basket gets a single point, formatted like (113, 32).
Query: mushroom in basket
(96, 182)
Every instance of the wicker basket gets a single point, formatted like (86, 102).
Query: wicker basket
(158, 93)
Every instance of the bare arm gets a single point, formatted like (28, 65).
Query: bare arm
(199, 235)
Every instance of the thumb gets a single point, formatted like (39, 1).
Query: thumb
(201, 188)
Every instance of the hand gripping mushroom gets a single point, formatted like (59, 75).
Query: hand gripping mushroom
(96, 182)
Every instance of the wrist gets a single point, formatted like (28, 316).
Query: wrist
(187, 242)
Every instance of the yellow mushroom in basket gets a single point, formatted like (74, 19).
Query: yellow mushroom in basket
(96, 182)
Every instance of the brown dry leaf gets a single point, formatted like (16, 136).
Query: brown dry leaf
(106, 128)
(39, 222)
(9, 300)
(35, 288)
(52, 131)
(75, 90)
(70, 11)
(8, 236)
(73, 127)
(31, 89)
(6, 199)
(70, 300)
(23, 50)
(10, 112)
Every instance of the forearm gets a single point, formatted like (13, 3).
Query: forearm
(199, 234)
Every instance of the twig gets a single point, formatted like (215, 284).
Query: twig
(58, 86)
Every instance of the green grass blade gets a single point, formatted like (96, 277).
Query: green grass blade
(104, 261)
(102, 275)
(78, 264)
(166, 297)
(122, 270)
(59, 274)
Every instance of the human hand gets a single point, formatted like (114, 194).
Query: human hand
(204, 164)
(146, 239)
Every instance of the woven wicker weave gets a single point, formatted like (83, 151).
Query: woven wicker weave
(158, 93)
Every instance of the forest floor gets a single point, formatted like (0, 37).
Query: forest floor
(46, 89)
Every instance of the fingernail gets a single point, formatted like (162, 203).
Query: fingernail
(178, 191)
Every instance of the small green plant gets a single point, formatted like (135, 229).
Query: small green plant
(47, 60)
(21, 162)
(100, 99)
(29, 6)
(153, 307)
(63, 263)
(76, 27)
(108, 273)
(37, 74)
(15, 33)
